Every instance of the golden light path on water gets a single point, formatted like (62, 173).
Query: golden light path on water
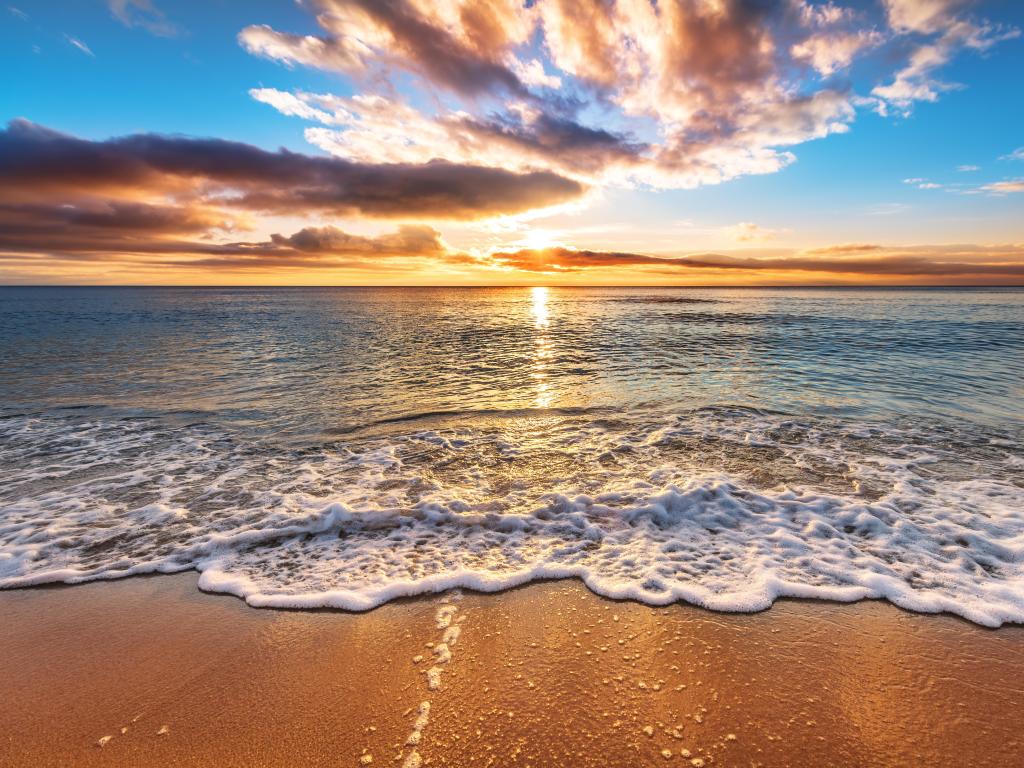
(543, 351)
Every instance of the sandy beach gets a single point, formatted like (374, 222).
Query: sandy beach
(546, 675)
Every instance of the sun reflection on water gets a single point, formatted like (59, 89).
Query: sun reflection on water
(543, 351)
(540, 307)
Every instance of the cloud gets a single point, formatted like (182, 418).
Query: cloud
(832, 52)
(1004, 264)
(922, 16)
(922, 183)
(169, 237)
(145, 15)
(17, 12)
(74, 41)
(671, 94)
(103, 227)
(408, 239)
(74, 226)
(39, 163)
(460, 45)
(836, 250)
(968, 168)
(365, 127)
(1017, 154)
(1004, 187)
(320, 248)
(950, 32)
(748, 231)
(174, 201)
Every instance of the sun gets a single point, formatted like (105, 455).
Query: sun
(537, 240)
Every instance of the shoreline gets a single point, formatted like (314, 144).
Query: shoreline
(548, 673)
(527, 584)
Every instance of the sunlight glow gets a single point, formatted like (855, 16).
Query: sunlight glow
(540, 307)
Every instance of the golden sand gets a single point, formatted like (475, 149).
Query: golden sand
(547, 675)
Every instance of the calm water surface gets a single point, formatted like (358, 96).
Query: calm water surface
(308, 362)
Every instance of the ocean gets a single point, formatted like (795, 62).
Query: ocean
(341, 447)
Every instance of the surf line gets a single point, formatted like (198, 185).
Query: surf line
(449, 621)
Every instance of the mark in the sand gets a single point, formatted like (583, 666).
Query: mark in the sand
(413, 759)
(449, 621)
(104, 740)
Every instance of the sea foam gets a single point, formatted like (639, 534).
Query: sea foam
(723, 508)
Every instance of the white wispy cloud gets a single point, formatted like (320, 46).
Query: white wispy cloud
(79, 45)
(145, 15)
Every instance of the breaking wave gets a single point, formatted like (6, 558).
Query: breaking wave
(726, 508)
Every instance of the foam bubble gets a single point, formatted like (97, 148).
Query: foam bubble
(724, 508)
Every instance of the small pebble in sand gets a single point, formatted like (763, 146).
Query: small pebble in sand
(164, 730)
(366, 759)
(103, 741)
(648, 730)
(667, 754)
(417, 659)
(697, 762)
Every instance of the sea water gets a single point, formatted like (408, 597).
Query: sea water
(341, 447)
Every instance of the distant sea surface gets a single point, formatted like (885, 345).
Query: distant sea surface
(344, 446)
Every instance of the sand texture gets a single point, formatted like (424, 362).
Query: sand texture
(546, 675)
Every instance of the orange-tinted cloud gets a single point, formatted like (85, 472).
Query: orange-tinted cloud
(1004, 187)
(415, 254)
(1004, 264)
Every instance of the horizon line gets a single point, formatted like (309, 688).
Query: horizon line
(520, 285)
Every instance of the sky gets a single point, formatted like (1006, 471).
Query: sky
(502, 142)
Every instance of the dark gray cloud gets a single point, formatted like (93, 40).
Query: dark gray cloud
(41, 164)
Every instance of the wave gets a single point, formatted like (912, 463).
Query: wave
(725, 508)
(465, 414)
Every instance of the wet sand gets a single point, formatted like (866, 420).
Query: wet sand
(546, 675)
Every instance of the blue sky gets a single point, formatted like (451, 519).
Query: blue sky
(195, 83)
(195, 77)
